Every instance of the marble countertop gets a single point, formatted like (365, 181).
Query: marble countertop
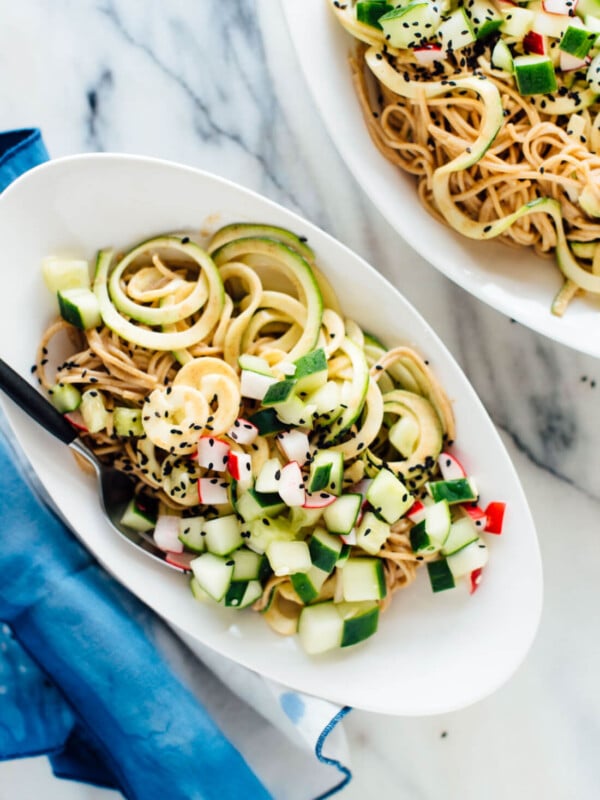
(216, 85)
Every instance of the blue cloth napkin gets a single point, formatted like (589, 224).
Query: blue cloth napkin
(94, 680)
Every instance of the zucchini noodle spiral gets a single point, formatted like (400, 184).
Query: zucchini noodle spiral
(251, 290)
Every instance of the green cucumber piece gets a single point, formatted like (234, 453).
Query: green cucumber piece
(265, 530)
(404, 435)
(484, 18)
(252, 505)
(326, 472)
(473, 556)
(410, 25)
(242, 594)
(304, 517)
(136, 519)
(363, 579)
(389, 496)
(267, 421)
(128, 421)
(460, 490)
(320, 628)
(534, 74)
(80, 308)
(279, 392)
(311, 371)
(372, 533)
(430, 534)
(502, 57)
(287, 557)
(198, 591)
(192, 533)
(93, 411)
(249, 566)
(324, 549)
(65, 397)
(517, 22)
(223, 535)
(577, 41)
(440, 576)
(65, 273)
(340, 517)
(456, 31)
(462, 533)
(360, 621)
(308, 585)
(369, 12)
(267, 480)
(213, 574)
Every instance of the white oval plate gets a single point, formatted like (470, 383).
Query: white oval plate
(514, 281)
(433, 653)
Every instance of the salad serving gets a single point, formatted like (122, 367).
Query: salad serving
(493, 106)
(286, 458)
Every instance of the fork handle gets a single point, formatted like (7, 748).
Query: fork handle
(35, 405)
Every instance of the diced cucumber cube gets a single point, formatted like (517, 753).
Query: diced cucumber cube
(65, 273)
(223, 535)
(286, 558)
(320, 628)
(65, 397)
(295, 411)
(308, 585)
(502, 57)
(363, 579)
(311, 371)
(267, 421)
(360, 621)
(440, 576)
(404, 435)
(213, 573)
(473, 556)
(340, 517)
(79, 307)
(267, 480)
(252, 505)
(93, 411)
(242, 594)
(410, 25)
(462, 533)
(429, 535)
(369, 12)
(192, 534)
(343, 556)
(389, 496)
(326, 399)
(372, 533)
(324, 549)
(534, 75)
(326, 472)
(517, 22)
(577, 41)
(593, 77)
(456, 31)
(198, 591)
(136, 519)
(484, 18)
(459, 490)
(249, 565)
(279, 392)
(304, 517)
(264, 531)
(128, 421)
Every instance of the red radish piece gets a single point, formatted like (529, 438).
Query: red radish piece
(569, 63)
(416, 512)
(166, 534)
(534, 43)
(477, 514)
(182, 561)
(291, 486)
(429, 53)
(450, 467)
(560, 7)
(239, 465)
(295, 445)
(475, 579)
(242, 431)
(495, 517)
(76, 420)
(212, 492)
(349, 538)
(318, 500)
(254, 385)
(212, 453)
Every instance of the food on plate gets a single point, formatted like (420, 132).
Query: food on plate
(285, 457)
(493, 106)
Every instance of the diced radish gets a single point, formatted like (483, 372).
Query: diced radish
(450, 467)
(349, 538)
(291, 486)
(534, 43)
(295, 445)
(569, 63)
(429, 53)
(416, 512)
(76, 420)
(166, 534)
(495, 517)
(564, 7)
(213, 453)
(242, 431)
(182, 561)
(477, 514)
(239, 465)
(212, 492)
(318, 500)
(475, 579)
(254, 385)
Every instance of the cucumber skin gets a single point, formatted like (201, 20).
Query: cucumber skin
(360, 628)
(440, 576)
